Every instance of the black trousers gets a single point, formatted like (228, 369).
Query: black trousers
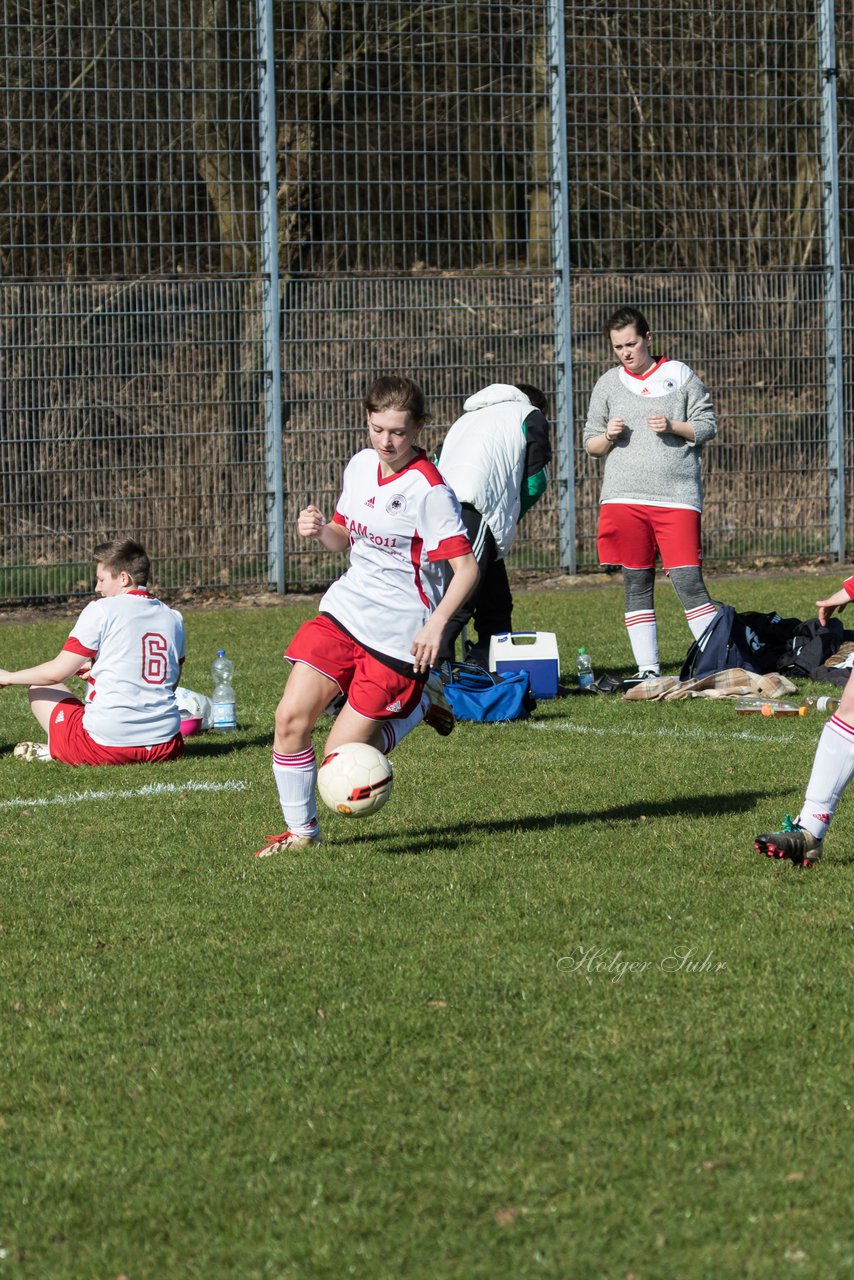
(490, 605)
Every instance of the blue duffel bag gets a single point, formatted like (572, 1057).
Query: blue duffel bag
(475, 694)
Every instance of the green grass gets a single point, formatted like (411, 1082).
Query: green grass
(547, 1014)
(44, 582)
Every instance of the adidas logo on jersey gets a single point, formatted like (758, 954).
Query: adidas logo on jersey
(60, 717)
(370, 502)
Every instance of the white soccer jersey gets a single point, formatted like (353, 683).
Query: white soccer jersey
(401, 528)
(664, 377)
(136, 645)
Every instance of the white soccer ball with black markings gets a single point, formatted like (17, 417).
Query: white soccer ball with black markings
(355, 779)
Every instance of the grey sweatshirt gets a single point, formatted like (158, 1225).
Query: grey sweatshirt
(643, 466)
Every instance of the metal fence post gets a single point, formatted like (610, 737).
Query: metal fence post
(833, 277)
(270, 298)
(565, 448)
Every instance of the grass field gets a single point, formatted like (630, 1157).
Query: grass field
(547, 1014)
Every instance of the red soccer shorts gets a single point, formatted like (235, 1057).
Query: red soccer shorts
(630, 535)
(374, 690)
(71, 744)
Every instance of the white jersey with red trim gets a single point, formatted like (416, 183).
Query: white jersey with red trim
(660, 379)
(136, 646)
(402, 527)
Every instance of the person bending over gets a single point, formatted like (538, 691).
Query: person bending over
(495, 458)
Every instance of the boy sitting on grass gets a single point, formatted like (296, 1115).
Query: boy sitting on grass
(131, 646)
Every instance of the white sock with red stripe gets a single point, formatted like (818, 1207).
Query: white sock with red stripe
(832, 770)
(296, 778)
(698, 619)
(394, 731)
(643, 637)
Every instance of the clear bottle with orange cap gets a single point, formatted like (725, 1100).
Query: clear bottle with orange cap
(754, 705)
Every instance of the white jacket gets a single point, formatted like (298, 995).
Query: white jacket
(483, 458)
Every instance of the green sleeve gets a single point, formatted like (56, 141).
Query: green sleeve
(533, 488)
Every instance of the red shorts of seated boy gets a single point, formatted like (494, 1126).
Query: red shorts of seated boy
(69, 742)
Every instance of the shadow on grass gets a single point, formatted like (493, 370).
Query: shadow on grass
(206, 747)
(425, 839)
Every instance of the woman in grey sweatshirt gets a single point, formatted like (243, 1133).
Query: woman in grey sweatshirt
(649, 418)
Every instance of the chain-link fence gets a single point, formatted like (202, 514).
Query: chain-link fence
(458, 191)
(131, 294)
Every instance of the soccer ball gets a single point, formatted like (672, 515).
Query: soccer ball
(355, 779)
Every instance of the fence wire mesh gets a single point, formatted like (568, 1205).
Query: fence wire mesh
(420, 174)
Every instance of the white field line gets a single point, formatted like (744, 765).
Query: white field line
(695, 735)
(150, 789)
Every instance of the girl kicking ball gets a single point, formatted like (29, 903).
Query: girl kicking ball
(380, 626)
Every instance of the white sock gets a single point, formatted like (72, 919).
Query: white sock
(832, 770)
(698, 619)
(394, 731)
(296, 777)
(643, 637)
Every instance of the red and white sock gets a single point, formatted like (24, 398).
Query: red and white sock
(698, 619)
(832, 770)
(296, 778)
(394, 731)
(643, 637)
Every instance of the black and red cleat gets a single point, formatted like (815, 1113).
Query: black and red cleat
(801, 847)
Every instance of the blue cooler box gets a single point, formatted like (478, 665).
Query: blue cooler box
(531, 651)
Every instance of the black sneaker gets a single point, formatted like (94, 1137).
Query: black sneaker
(641, 677)
(798, 845)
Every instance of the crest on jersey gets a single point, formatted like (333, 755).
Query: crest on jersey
(669, 384)
(396, 505)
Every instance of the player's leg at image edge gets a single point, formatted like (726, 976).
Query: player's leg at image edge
(802, 841)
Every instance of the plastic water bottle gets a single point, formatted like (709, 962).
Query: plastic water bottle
(759, 706)
(821, 704)
(223, 706)
(585, 669)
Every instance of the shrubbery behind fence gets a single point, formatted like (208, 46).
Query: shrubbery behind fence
(219, 222)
